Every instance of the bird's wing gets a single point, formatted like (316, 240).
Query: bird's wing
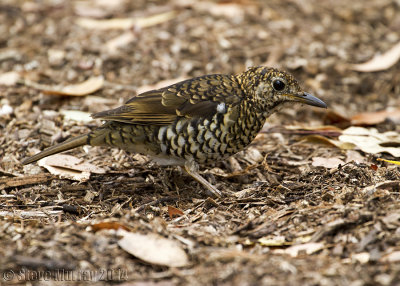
(197, 97)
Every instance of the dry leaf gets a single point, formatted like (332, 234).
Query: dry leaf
(56, 57)
(229, 10)
(71, 162)
(392, 219)
(6, 109)
(153, 249)
(387, 185)
(76, 115)
(371, 141)
(253, 155)
(221, 8)
(314, 128)
(122, 40)
(67, 173)
(373, 167)
(371, 118)
(86, 10)
(306, 248)
(275, 241)
(125, 23)
(328, 163)
(89, 86)
(380, 62)
(392, 257)
(362, 257)
(107, 24)
(97, 8)
(354, 156)
(9, 78)
(70, 167)
(324, 130)
(108, 225)
(317, 139)
(173, 212)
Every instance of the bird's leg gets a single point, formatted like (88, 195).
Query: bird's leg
(192, 168)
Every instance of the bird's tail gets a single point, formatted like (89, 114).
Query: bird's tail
(67, 145)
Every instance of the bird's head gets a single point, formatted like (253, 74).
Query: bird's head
(272, 88)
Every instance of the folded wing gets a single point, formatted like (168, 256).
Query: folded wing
(197, 97)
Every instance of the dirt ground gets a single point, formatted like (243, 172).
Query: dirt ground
(291, 217)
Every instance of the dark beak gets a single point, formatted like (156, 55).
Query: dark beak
(306, 98)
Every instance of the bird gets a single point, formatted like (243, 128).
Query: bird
(196, 121)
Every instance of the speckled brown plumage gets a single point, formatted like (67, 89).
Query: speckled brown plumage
(195, 121)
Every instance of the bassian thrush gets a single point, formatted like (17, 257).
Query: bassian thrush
(195, 121)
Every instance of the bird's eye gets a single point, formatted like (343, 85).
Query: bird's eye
(278, 85)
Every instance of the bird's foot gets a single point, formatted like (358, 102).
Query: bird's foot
(192, 168)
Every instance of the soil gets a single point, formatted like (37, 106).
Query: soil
(286, 221)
